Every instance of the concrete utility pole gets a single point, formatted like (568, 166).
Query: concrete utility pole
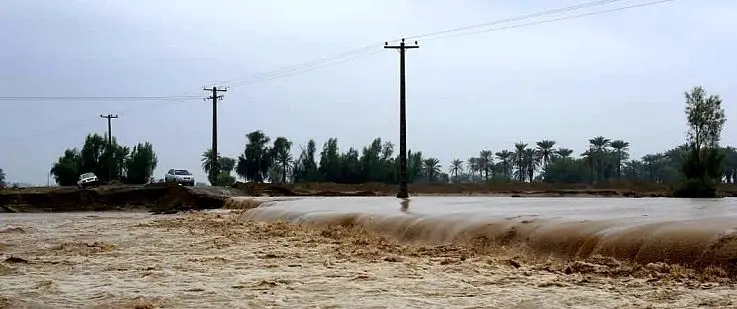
(214, 97)
(403, 193)
(109, 118)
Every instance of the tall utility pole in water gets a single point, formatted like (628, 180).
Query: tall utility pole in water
(214, 97)
(110, 153)
(403, 193)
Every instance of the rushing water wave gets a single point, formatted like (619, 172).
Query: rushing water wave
(222, 259)
(696, 233)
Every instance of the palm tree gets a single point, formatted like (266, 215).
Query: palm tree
(598, 146)
(505, 156)
(486, 162)
(545, 151)
(530, 162)
(282, 156)
(456, 167)
(207, 167)
(473, 166)
(519, 160)
(633, 170)
(432, 168)
(563, 153)
(649, 162)
(285, 163)
(620, 149)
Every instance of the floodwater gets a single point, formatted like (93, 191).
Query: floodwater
(694, 233)
(372, 253)
(630, 209)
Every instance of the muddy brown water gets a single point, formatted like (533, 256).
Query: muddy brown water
(697, 233)
(225, 259)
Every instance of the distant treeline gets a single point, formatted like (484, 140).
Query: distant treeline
(604, 160)
(698, 164)
(695, 166)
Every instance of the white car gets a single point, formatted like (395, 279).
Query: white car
(87, 180)
(183, 177)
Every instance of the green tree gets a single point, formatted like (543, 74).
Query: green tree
(505, 157)
(99, 157)
(415, 166)
(730, 165)
(305, 168)
(621, 149)
(563, 153)
(456, 167)
(207, 164)
(255, 161)
(519, 161)
(531, 163)
(226, 165)
(545, 151)
(67, 168)
(432, 168)
(703, 165)
(282, 155)
(473, 166)
(372, 165)
(141, 163)
(349, 167)
(330, 161)
(598, 149)
(486, 162)
(566, 170)
(225, 179)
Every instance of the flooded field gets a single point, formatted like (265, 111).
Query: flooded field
(340, 257)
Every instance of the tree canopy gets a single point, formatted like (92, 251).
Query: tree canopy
(225, 166)
(703, 165)
(133, 166)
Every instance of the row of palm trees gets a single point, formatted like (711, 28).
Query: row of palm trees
(604, 159)
(523, 163)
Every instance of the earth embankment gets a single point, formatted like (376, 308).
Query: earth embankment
(160, 198)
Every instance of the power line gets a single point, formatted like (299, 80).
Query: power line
(302, 70)
(516, 18)
(357, 54)
(366, 51)
(553, 20)
(94, 98)
(300, 66)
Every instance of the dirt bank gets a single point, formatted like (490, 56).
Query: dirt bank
(156, 198)
(621, 189)
(211, 260)
(168, 198)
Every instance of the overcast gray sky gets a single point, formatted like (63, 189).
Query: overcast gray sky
(621, 75)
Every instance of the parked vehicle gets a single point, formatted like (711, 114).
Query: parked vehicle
(179, 176)
(87, 180)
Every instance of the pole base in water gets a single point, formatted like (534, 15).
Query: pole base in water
(402, 195)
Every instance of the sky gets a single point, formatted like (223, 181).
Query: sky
(621, 75)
